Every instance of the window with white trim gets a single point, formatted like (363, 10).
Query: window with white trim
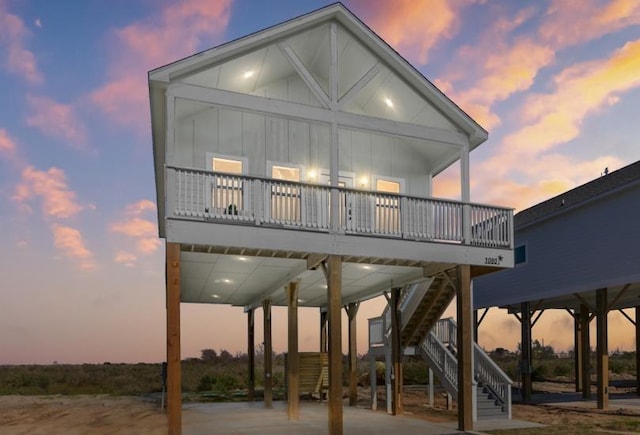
(227, 187)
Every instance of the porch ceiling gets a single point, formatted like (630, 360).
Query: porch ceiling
(246, 277)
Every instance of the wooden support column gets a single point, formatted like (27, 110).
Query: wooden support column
(334, 290)
(174, 381)
(525, 344)
(637, 323)
(268, 355)
(577, 350)
(602, 350)
(352, 311)
(323, 330)
(251, 353)
(464, 317)
(293, 358)
(396, 352)
(586, 352)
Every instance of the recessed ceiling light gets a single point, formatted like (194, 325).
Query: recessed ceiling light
(300, 301)
(388, 102)
(214, 296)
(242, 258)
(248, 74)
(366, 267)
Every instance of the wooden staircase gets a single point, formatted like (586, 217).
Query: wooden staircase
(430, 304)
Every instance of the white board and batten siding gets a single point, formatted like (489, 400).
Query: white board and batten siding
(262, 139)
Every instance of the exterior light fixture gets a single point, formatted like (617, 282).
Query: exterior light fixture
(214, 296)
(248, 74)
(388, 102)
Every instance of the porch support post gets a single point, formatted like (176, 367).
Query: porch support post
(464, 317)
(637, 324)
(251, 353)
(352, 311)
(602, 348)
(268, 354)
(323, 329)
(174, 382)
(586, 351)
(334, 289)
(396, 352)
(373, 373)
(431, 398)
(293, 358)
(577, 350)
(525, 344)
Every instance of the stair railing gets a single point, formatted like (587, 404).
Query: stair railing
(486, 370)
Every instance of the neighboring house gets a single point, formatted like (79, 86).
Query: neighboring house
(579, 252)
(302, 157)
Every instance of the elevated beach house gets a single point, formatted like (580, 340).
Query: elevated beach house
(294, 167)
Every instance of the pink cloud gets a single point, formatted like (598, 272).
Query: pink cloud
(540, 179)
(413, 27)
(496, 66)
(580, 90)
(13, 35)
(135, 227)
(589, 19)
(7, 145)
(148, 245)
(140, 207)
(126, 258)
(172, 34)
(69, 241)
(58, 200)
(143, 231)
(57, 120)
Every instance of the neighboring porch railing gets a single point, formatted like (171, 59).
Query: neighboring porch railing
(259, 201)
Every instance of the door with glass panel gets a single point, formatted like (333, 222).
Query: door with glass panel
(345, 197)
(284, 195)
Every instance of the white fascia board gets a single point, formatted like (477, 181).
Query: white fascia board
(158, 134)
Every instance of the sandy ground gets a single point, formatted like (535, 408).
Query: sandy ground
(76, 415)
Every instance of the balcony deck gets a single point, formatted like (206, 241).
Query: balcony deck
(233, 199)
(243, 238)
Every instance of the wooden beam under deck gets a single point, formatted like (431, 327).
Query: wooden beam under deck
(174, 383)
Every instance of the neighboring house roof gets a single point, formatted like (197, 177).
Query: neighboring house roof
(580, 195)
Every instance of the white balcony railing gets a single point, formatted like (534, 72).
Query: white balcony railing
(258, 201)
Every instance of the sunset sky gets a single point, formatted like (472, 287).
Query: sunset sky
(556, 84)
